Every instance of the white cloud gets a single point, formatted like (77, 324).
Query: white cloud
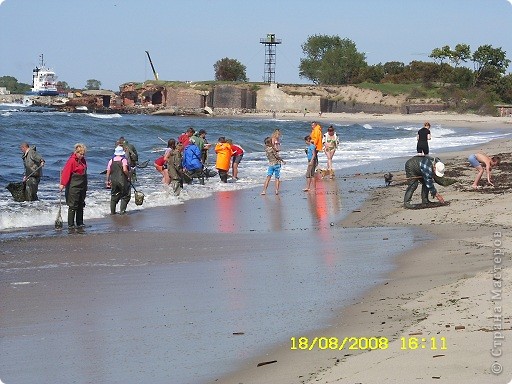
(510, 1)
(1, 1)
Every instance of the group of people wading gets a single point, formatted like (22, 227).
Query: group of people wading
(186, 158)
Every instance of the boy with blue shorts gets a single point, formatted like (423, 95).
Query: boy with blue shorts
(312, 162)
(274, 167)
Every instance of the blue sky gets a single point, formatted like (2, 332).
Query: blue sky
(107, 39)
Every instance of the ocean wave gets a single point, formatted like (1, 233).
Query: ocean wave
(104, 116)
(55, 133)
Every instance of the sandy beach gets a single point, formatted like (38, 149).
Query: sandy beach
(455, 289)
(442, 314)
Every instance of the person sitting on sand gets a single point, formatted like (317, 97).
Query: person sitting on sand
(476, 161)
(422, 169)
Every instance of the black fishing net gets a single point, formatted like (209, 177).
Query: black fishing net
(17, 191)
(139, 198)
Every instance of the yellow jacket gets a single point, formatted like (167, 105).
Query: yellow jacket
(316, 137)
(224, 152)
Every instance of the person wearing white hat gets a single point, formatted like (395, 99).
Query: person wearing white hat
(422, 169)
(118, 180)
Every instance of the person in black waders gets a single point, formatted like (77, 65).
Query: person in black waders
(131, 155)
(74, 180)
(33, 163)
(424, 170)
(118, 179)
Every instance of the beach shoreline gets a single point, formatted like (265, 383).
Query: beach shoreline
(443, 290)
(444, 118)
(423, 296)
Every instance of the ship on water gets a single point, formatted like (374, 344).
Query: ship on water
(44, 80)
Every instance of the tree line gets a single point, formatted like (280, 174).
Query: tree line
(331, 60)
(15, 87)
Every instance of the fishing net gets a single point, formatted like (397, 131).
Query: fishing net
(444, 181)
(139, 198)
(17, 191)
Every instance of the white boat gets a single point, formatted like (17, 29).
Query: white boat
(44, 81)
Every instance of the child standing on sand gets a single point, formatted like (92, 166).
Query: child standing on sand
(274, 167)
(311, 154)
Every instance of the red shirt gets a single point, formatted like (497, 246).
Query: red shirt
(184, 139)
(237, 150)
(74, 165)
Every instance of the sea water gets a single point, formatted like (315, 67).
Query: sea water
(55, 133)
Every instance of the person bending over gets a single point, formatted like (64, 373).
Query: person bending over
(421, 169)
(476, 161)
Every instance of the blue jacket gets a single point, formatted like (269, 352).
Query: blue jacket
(192, 158)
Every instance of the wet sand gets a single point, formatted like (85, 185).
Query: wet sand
(62, 294)
(186, 293)
(446, 309)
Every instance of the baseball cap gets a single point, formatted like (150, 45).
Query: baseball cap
(439, 169)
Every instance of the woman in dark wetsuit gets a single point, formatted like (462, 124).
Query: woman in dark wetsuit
(74, 180)
(423, 137)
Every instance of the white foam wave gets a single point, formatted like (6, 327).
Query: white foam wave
(104, 116)
(12, 105)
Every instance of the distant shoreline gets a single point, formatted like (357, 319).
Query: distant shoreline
(445, 118)
(452, 119)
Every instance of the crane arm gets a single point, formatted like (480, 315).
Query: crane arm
(152, 67)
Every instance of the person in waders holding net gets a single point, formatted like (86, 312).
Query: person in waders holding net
(33, 162)
(118, 179)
